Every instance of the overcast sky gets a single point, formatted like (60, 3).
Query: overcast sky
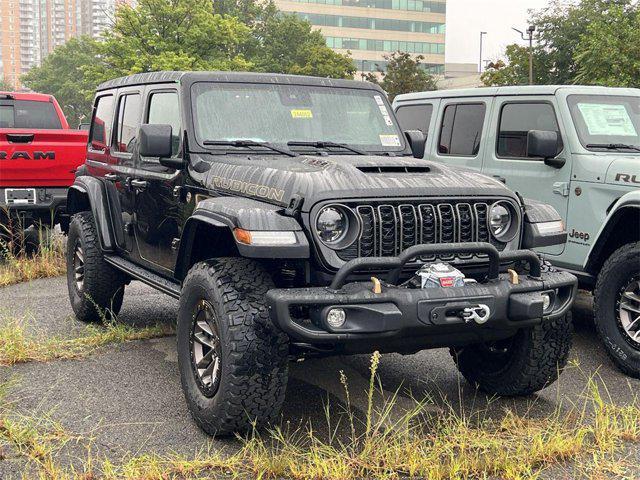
(467, 18)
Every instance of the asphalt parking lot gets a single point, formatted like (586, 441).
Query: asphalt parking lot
(128, 396)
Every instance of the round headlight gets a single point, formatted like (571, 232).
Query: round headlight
(499, 220)
(332, 224)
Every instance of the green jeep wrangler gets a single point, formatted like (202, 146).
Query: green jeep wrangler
(575, 148)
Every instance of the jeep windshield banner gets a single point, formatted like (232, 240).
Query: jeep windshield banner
(280, 114)
(603, 120)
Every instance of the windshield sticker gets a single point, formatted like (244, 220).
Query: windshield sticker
(607, 119)
(383, 110)
(379, 100)
(390, 140)
(388, 121)
(301, 114)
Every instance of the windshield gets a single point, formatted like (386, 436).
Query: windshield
(606, 121)
(280, 114)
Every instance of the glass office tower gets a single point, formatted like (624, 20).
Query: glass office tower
(371, 29)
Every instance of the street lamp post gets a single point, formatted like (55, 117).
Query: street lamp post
(530, 30)
(362, 73)
(482, 34)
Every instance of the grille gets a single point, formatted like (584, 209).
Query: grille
(390, 228)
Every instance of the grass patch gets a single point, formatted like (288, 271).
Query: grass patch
(17, 346)
(20, 262)
(587, 440)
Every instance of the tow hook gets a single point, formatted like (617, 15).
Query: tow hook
(478, 313)
(377, 288)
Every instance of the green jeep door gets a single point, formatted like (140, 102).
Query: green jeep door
(506, 155)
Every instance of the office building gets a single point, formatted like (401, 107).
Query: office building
(371, 29)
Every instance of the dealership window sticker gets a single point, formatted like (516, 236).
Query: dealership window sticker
(390, 140)
(607, 119)
(301, 113)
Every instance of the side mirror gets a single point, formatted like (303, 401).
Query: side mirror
(84, 127)
(156, 141)
(417, 141)
(542, 144)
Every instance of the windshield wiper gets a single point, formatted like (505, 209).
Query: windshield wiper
(326, 145)
(614, 146)
(249, 143)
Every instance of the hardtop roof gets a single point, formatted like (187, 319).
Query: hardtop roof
(516, 90)
(234, 77)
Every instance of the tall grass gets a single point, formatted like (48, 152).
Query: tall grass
(23, 259)
(584, 440)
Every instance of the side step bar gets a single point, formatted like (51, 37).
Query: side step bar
(156, 281)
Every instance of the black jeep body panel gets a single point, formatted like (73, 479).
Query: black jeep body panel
(162, 218)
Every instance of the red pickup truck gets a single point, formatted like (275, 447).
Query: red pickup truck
(39, 155)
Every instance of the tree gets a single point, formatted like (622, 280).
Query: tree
(172, 35)
(6, 86)
(609, 50)
(403, 75)
(564, 30)
(287, 43)
(515, 71)
(63, 74)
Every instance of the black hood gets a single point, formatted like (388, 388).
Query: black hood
(277, 179)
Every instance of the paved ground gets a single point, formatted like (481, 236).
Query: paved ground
(128, 396)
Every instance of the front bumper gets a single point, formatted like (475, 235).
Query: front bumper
(423, 317)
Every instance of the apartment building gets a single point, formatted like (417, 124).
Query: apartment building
(31, 29)
(371, 29)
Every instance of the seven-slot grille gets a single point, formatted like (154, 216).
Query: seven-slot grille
(389, 228)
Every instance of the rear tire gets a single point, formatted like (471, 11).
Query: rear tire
(96, 289)
(527, 362)
(617, 308)
(222, 310)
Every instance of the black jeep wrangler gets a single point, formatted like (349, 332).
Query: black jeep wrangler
(290, 218)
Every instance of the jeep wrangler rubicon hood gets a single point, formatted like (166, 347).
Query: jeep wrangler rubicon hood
(278, 180)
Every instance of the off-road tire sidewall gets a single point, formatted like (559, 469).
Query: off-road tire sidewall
(253, 353)
(536, 358)
(103, 289)
(615, 273)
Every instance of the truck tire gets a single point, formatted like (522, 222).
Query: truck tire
(617, 307)
(224, 327)
(520, 365)
(96, 289)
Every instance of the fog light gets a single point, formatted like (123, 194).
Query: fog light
(546, 301)
(336, 317)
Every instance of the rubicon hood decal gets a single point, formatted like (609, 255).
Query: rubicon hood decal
(277, 179)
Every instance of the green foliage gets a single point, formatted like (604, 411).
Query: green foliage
(589, 41)
(288, 44)
(403, 75)
(185, 35)
(6, 86)
(64, 74)
(609, 53)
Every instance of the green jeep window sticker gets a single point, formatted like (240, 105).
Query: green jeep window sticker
(607, 119)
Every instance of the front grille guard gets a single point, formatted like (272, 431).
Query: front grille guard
(395, 264)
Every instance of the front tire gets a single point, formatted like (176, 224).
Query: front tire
(520, 365)
(233, 361)
(96, 289)
(617, 308)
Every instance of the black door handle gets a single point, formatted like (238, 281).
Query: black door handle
(499, 178)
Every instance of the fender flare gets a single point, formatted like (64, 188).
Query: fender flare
(630, 200)
(229, 213)
(91, 193)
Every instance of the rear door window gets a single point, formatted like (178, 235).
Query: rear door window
(461, 129)
(29, 114)
(102, 121)
(415, 117)
(128, 122)
(517, 119)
